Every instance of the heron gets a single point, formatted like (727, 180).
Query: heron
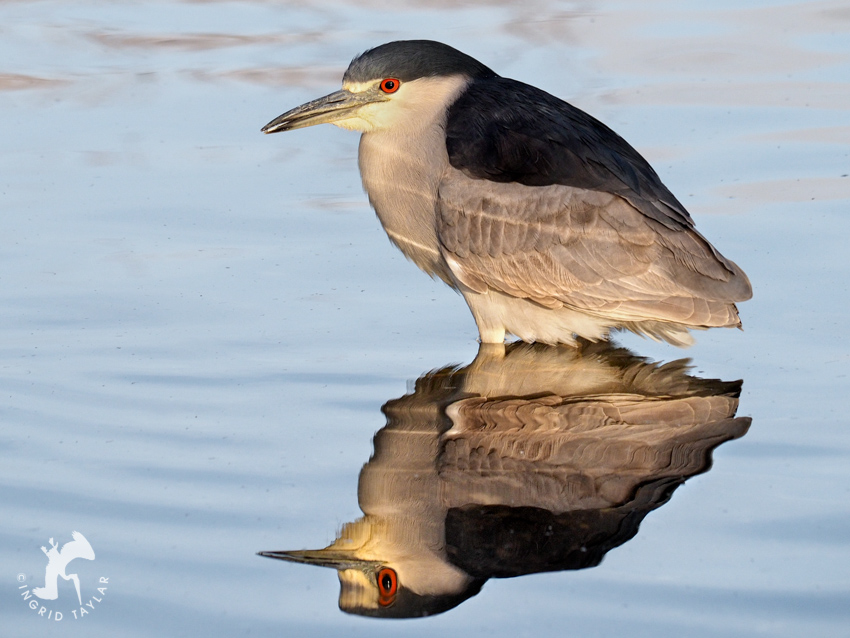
(530, 459)
(549, 224)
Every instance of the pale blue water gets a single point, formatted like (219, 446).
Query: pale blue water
(199, 324)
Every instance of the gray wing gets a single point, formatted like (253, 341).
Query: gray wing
(587, 452)
(560, 245)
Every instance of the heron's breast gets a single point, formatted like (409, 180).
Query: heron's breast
(401, 171)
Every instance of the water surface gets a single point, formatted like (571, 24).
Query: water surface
(200, 324)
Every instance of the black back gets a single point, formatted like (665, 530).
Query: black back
(506, 131)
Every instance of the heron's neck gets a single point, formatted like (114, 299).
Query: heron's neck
(401, 167)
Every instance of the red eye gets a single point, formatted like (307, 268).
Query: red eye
(390, 85)
(387, 583)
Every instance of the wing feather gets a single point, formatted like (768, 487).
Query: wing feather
(593, 251)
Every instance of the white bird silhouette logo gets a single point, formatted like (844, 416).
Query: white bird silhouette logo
(57, 561)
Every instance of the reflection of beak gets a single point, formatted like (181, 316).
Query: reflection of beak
(339, 105)
(336, 559)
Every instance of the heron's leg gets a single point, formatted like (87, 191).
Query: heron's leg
(491, 327)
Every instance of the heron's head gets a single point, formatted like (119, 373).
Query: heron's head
(386, 570)
(393, 84)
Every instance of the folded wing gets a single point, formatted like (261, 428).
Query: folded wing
(590, 250)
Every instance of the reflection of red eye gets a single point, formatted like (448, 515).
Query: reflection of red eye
(387, 583)
(390, 85)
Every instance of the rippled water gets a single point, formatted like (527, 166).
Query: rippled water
(200, 325)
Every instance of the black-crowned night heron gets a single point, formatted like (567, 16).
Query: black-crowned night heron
(546, 221)
(537, 459)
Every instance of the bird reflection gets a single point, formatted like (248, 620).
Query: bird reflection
(530, 459)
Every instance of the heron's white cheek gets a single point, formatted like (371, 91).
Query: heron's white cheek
(367, 118)
(379, 115)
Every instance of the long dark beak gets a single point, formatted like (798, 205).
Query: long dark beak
(339, 105)
(336, 559)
